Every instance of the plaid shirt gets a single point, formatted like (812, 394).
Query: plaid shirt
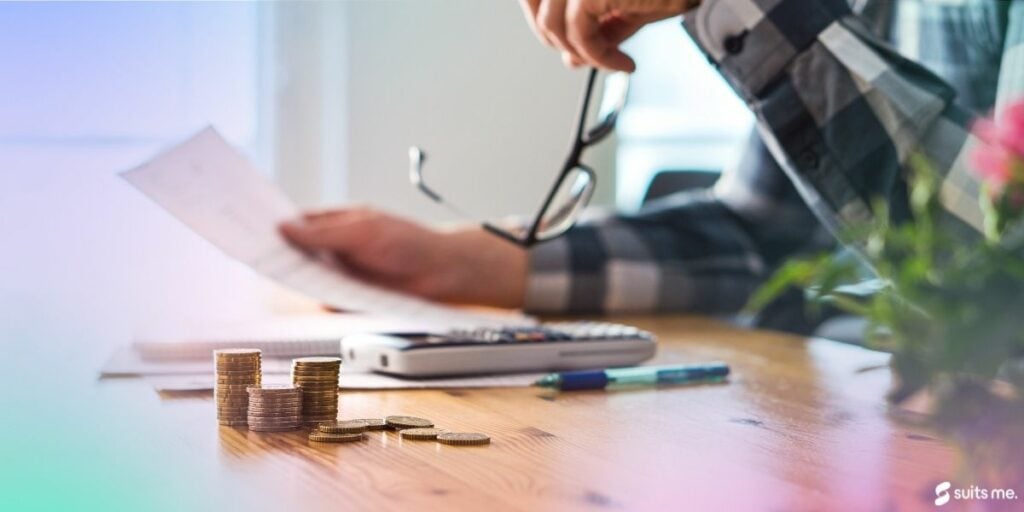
(842, 96)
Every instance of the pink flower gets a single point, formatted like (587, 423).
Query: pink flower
(999, 159)
(992, 164)
(1010, 129)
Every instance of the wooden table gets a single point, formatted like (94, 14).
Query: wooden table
(86, 261)
(799, 426)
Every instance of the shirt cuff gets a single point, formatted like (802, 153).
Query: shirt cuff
(549, 282)
(752, 41)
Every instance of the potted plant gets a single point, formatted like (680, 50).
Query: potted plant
(951, 312)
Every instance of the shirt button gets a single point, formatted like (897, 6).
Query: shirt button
(734, 43)
(808, 159)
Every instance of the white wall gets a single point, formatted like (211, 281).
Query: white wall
(465, 79)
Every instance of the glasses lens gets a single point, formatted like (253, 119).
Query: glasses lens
(610, 90)
(569, 200)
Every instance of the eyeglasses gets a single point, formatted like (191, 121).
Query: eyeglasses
(574, 185)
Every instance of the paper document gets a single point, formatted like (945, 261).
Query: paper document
(220, 195)
(359, 380)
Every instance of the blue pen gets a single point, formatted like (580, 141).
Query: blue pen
(635, 376)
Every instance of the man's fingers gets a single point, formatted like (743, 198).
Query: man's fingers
(530, 9)
(551, 19)
(584, 32)
(342, 236)
(570, 61)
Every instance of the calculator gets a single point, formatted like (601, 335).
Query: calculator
(546, 347)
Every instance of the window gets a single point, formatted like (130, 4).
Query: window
(681, 113)
(127, 73)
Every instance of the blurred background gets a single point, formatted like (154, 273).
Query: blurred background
(327, 96)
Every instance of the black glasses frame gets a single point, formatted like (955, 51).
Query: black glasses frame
(581, 140)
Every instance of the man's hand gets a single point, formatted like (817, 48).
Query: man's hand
(589, 32)
(466, 266)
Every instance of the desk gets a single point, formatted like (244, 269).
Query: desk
(87, 261)
(799, 427)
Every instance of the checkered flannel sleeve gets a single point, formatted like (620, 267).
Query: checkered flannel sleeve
(840, 110)
(702, 251)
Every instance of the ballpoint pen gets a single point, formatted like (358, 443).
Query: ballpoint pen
(635, 376)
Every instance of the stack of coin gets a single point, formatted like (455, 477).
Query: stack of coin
(318, 378)
(275, 408)
(237, 370)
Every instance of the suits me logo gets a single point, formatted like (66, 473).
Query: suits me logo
(944, 492)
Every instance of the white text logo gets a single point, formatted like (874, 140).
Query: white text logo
(944, 493)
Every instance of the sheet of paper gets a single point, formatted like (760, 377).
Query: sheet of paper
(197, 375)
(363, 381)
(288, 335)
(220, 195)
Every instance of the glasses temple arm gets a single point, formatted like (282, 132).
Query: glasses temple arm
(416, 159)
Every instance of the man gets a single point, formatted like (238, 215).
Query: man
(838, 112)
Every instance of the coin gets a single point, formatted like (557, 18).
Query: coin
(403, 422)
(322, 437)
(320, 396)
(373, 423)
(420, 434)
(238, 367)
(315, 360)
(283, 428)
(343, 427)
(314, 377)
(274, 414)
(273, 402)
(463, 438)
(265, 421)
(232, 422)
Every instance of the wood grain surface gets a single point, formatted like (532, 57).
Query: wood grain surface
(799, 426)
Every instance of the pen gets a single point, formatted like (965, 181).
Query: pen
(635, 376)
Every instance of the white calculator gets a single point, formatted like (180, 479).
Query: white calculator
(552, 346)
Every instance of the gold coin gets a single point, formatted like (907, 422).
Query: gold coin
(238, 387)
(282, 428)
(229, 404)
(298, 373)
(275, 407)
(373, 423)
(232, 376)
(233, 352)
(275, 399)
(275, 402)
(322, 437)
(275, 412)
(320, 396)
(264, 421)
(403, 422)
(463, 438)
(238, 368)
(343, 427)
(308, 383)
(420, 434)
(233, 398)
(274, 389)
(317, 360)
(314, 374)
(232, 422)
(241, 385)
